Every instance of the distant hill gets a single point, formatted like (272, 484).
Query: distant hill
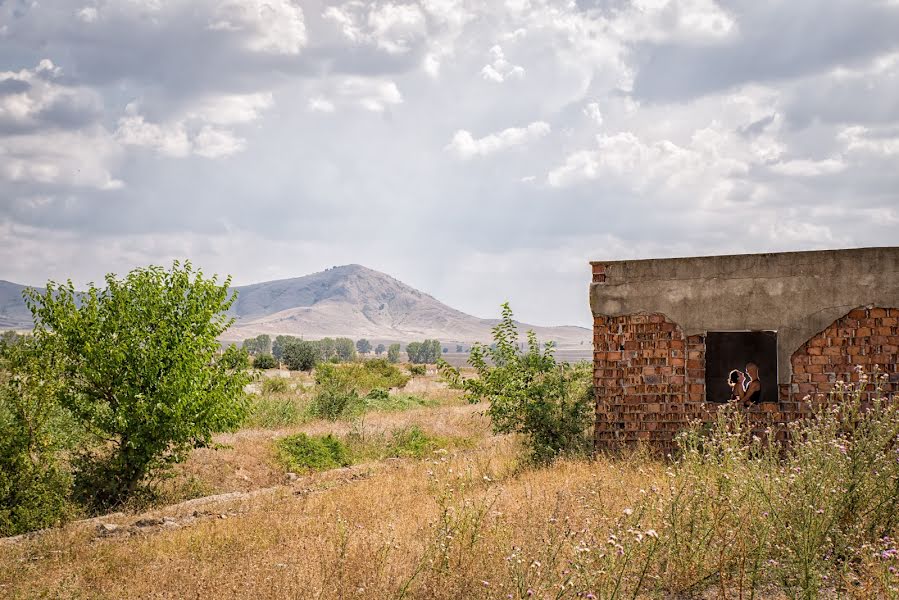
(13, 312)
(355, 301)
(351, 301)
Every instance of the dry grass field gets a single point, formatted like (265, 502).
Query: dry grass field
(464, 521)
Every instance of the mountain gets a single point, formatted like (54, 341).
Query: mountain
(13, 312)
(351, 301)
(355, 301)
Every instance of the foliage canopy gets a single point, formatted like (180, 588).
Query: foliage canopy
(529, 393)
(140, 370)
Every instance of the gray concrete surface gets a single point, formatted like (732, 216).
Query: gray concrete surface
(798, 294)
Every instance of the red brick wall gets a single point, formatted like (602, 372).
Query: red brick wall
(868, 337)
(650, 378)
(644, 388)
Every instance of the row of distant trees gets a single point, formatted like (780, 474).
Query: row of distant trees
(301, 354)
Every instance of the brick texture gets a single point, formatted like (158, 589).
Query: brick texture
(650, 378)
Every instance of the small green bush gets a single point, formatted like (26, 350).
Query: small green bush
(32, 496)
(264, 361)
(529, 393)
(362, 376)
(302, 452)
(412, 442)
(274, 385)
(34, 430)
(332, 402)
(396, 402)
(272, 412)
(417, 370)
(300, 356)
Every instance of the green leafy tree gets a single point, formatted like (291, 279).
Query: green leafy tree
(9, 337)
(393, 353)
(327, 349)
(265, 361)
(249, 345)
(280, 342)
(426, 352)
(363, 346)
(264, 343)
(414, 352)
(300, 355)
(139, 370)
(34, 487)
(379, 350)
(345, 349)
(529, 393)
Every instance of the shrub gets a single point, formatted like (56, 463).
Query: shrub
(332, 401)
(417, 370)
(412, 442)
(139, 371)
(393, 353)
(264, 361)
(299, 355)
(378, 395)
(274, 385)
(34, 488)
(529, 393)
(302, 452)
(426, 352)
(271, 412)
(363, 376)
(345, 349)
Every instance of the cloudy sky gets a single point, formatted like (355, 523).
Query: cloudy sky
(480, 151)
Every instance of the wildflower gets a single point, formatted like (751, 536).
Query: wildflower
(485, 583)
(628, 511)
(652, 533)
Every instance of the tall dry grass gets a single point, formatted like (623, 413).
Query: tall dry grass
(730, 518)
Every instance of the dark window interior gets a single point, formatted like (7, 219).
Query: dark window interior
(728, 350)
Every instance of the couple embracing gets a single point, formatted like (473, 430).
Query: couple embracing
(746, 388)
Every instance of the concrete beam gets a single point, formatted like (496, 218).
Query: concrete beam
(797, 294)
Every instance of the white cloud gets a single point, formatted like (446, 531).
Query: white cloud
(499, 69)
(860, 139)
(593, 113)
(228, 109)
(368, 93)
(175, 139)
(170, 140)
(32, 96)
(78, 159)
(688, 21)
(809, 168)
(698, 172)
(394, 28)
(88, 14)
(212, 142)
(465, 145)
(274, 26)
(319, 104)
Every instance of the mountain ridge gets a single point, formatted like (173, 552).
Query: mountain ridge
(349, 300)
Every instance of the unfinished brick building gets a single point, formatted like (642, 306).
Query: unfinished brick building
(666, 332)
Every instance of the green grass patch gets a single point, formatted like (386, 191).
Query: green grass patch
(397, 402)
(275, 385)
(361, 377)
(304, 453)
(277, 410)
(404, 442)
